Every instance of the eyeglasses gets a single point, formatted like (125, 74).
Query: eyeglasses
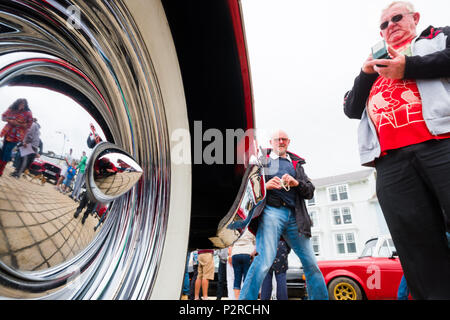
(394, 19)
(282, 139)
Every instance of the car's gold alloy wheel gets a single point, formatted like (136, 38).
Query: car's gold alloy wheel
(344, 291)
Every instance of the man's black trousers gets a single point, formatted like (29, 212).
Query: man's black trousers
(413, 188)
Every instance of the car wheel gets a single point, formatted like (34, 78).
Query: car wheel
(344, 288)
(116, 59)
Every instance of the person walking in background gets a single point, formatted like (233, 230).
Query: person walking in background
(186, 285)
(279, 267)
(230, 275)
(242, 252)
(222, 272)
(29, 149)
(205, 272)
(403, 104)
(71, 171)
(66, 164)
(92, 140)
(102, 212)
(19, 119)
(283, 213)
(80, 179)
(194, 274)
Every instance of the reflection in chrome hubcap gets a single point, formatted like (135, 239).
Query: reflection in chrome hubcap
(91, 53)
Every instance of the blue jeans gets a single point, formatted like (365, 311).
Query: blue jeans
(403, 291)
(81, 178)
(7, 150)
(186, 275)
(221, 279)
(266, 290)
(241, 263)
(276, 222)
(448, 238)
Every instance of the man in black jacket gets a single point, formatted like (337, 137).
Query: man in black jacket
(404, 106)
(284, 214)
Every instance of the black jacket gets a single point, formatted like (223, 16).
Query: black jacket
(305, 190)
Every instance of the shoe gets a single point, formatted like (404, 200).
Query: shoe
(77, 213)
(184, 297)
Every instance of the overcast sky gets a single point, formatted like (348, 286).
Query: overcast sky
(304, 56)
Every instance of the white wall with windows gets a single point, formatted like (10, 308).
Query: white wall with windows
(345, 214)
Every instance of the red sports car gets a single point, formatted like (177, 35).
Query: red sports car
(49, 170)
(375, 275)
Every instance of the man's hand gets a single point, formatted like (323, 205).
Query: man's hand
(274, 183)
(289, 180)
(368, 66)
(394, 68)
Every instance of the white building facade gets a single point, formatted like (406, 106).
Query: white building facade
(345, 214)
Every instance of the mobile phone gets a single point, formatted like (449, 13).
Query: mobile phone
(379, 51)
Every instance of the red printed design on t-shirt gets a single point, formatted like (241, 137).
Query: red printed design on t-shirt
(395, 103)
(395, 108)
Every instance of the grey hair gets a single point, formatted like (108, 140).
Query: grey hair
(275, 132)
(407, 4)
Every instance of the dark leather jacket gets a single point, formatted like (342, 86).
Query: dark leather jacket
(305, 190)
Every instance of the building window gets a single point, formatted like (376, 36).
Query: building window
(340, 243)
(315, 244)
(338, 193)
(345, 243)
(333, 194)
(336, 216)
(314, 218)
(351, 244)
(342, 190)
(346, 215)
(341, 215)
(312, 202)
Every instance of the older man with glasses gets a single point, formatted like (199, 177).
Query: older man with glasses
(284, 214)
(404, 106)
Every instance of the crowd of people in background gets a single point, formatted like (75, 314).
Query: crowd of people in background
(22, 145)
(19, 120)
(232, 267)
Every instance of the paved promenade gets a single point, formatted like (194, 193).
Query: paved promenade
(37, 227)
